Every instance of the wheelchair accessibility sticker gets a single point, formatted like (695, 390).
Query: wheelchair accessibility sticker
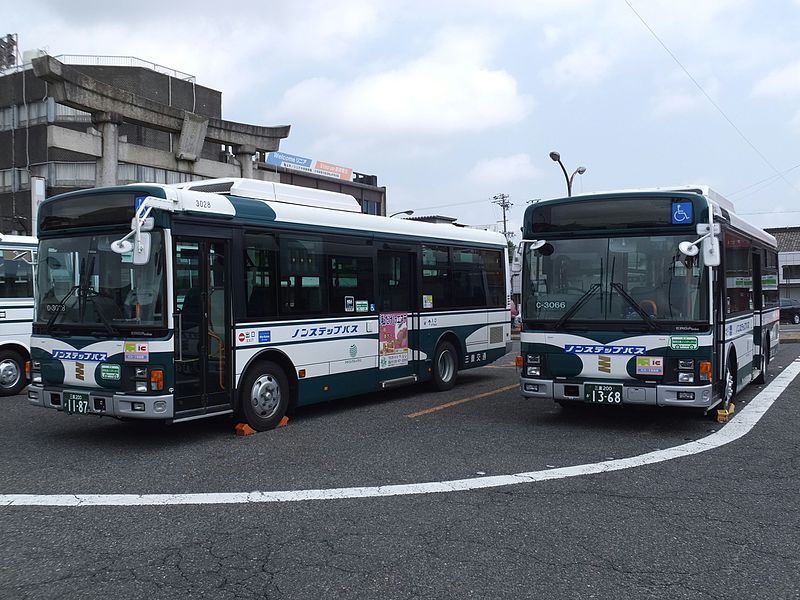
(681, 213)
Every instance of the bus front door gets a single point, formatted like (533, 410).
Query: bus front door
(202, 323)
(398, 320)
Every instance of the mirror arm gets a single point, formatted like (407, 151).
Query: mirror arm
(710, 233)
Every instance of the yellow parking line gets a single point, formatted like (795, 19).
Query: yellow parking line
(434, 409)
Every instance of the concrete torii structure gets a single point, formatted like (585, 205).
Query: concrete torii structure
(110, 106)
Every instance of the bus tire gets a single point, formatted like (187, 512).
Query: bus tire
(729, 382)
(264, 396)
(762, 377)
(445, 366)
(12, 373)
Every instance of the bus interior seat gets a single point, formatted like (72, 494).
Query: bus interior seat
(649, 299)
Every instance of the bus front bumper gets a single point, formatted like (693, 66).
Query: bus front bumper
(102, 403)
(693, 396)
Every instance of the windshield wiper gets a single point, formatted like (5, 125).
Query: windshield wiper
(635, 306)
(578, 305)
(60, 307)
(90, 295)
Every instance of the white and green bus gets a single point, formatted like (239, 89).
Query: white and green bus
(661, 297)
(17, 254)
(251, 297)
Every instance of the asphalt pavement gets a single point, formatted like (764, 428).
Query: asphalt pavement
(717, 524)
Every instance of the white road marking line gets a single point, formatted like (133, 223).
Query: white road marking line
(745, 420)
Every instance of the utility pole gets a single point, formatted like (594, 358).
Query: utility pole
(502, 201)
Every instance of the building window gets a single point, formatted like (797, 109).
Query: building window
(791, 272)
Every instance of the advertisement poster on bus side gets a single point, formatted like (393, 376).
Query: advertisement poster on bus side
(393, 340)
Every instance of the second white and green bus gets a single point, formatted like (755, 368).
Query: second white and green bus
(660, 297)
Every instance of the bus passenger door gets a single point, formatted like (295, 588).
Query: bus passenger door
(202, 347)
(398, 321)
(758, 308)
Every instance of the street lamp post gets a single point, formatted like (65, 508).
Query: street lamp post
(556, 157)
(402, 212)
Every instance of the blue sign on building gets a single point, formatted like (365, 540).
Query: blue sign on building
(682, 213)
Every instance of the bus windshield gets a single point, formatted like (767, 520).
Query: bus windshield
(81, 283)
(641, 279)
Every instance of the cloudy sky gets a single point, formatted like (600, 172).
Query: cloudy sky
(453, 102)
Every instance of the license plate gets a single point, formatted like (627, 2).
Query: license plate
(76, 402)
(601, 393)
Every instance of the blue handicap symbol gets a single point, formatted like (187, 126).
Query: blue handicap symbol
(681, 213)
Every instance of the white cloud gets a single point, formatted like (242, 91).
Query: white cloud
(678, 99)
(780, 82)
(552, 34)
(586, 65)
(503, 169)
(795, 122)
(451, 90)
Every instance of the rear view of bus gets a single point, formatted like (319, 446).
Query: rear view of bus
(660, 297)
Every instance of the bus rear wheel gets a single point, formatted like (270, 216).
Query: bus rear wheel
(445, 366)
(265, 396)
(12, 373)
(762, 377)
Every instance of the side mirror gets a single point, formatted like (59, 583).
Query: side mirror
(688, 248)
(534, 244)
(141, 249)
(711, 253)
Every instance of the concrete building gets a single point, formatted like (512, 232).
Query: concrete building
(788, 260)
(79, 122)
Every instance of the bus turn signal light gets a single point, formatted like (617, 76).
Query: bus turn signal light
(156, 379)
(705, 370)
(518, 361)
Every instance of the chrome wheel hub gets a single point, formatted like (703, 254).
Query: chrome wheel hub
(9, 373)
(446, 366)
(265, 396)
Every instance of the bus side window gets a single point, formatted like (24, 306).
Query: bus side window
(301, 276)
(259, 269)
(738, 274)
(16, 275)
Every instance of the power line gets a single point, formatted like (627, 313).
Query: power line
(771, 178)
(714, 104)
(769, 212)
(454, 204)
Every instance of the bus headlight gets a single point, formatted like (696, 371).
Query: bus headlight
(533, 371)
(141, 386)
(686, 363)
(685, 377)
(534, 359)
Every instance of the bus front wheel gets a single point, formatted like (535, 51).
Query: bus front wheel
(265, 396)
(445, 366)
(12, 373)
